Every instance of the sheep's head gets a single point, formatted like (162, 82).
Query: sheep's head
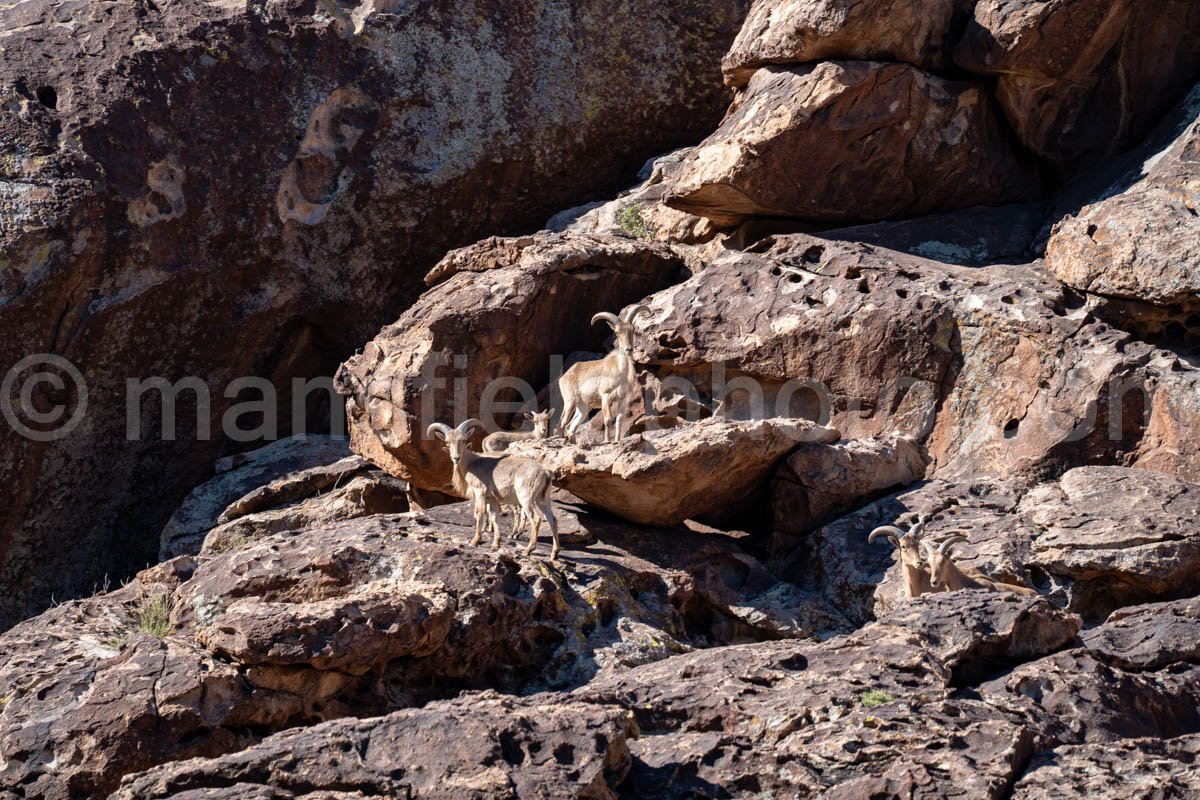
(456, 439)
(909, 544)
(541, 422)
(940, 560)
(622, 325)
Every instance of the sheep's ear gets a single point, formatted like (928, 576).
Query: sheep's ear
(928, 548)
(528, 415)
(439, 430)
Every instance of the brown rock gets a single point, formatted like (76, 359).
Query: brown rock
(1149, 768)
(1141, 243)
(1072, 697)
(1083, 80)
(502, 308)
(1150, 636)
(237, 476)
(848, 142)
(705, 470)
(816, 483)
(347, 489)
(220, 190)
(1120, 536)
(874, 342)
(800, 31)
(479, 745)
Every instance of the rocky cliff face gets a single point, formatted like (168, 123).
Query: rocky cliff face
(937, 263)
(223, 189)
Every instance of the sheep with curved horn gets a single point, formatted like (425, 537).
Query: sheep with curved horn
(946, 576)
(606, 384)
(916, 577)
(499, 441)
(491, 481)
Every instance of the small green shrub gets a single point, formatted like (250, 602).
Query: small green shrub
(154, 616)
(873, 698)
(631, 221)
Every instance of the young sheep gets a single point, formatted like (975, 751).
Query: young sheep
(491, 481)
(499, 441)
(606, 384)
(946, 576)
(916, 577)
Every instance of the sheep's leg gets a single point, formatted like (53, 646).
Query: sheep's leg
(568, 415)
(479, 512)
(619, 426)
(518, 518)
(547, 509)
(493, 510)
(576, 420)
(606, 413)
(534, 524)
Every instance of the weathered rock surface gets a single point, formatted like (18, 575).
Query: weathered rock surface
(222, 189)
(996, 371)
(706, 470)
(346, 489)
(1150, 636)
(1142, 243)
(817, 484)
(1150, 768)
(851, 141)
(479, 745)
(1083, 80)
(800, 31)
(1098, 539)
(500, 310)
(354, 618)
(236, 476)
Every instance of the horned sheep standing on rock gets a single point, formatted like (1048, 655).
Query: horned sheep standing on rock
(916, 577)
(490, 481)
(606, 384)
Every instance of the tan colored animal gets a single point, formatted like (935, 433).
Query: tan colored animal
(491, 481)
(916, 575)
(606, 384)
(499, 441)
(946, 576)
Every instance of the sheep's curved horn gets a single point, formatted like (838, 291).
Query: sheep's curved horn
(439, 430)
(944, 547)
(889, 532)
(611, 319)
(466, 426)
(631, 314)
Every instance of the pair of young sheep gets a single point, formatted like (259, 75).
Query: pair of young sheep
(491, 481)
(930, 569)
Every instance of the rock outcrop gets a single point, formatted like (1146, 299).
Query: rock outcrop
(498, 313)
(851, 141)
(710, 470)
(801, 31)
(1140, 244)
(1080, 81)
(222, 189)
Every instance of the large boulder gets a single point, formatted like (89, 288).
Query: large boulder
(1148, 767)
(223, 189)
(849, 142)
(1143, 242)
(711, 469)
(997, 371)
(1083, 80)
(917, 32)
